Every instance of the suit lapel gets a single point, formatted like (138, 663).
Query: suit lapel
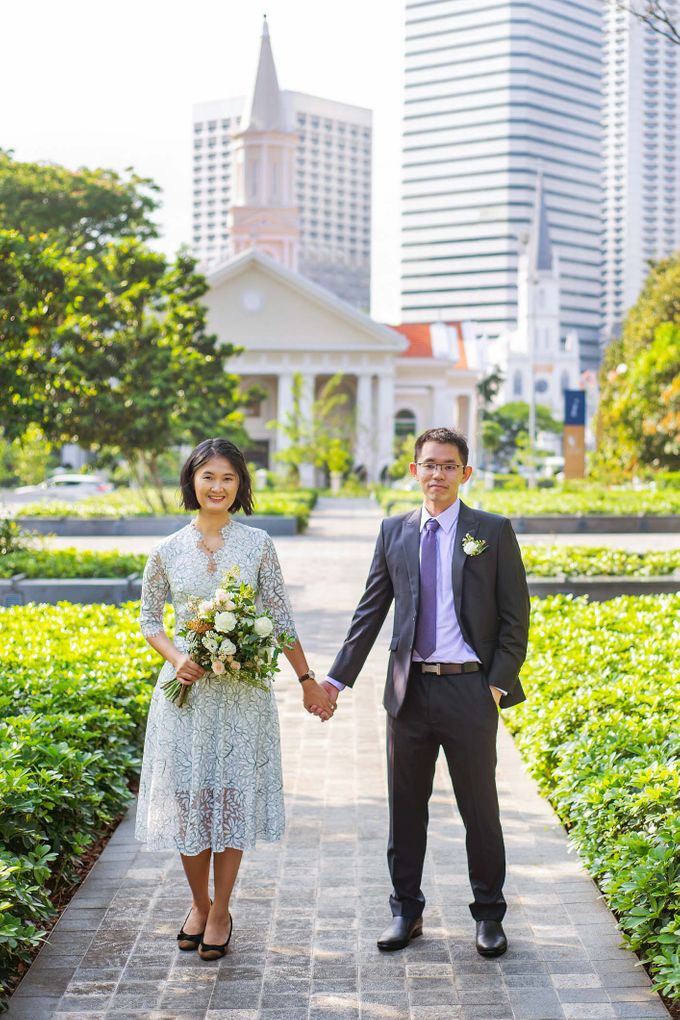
(411, 545)
(467, 523)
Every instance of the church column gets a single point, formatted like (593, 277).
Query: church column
(442, 407)
(385, 423)
(364, 452)
(306, 471)
(284, 407)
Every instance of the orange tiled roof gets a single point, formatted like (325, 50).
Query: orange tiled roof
(420, 340)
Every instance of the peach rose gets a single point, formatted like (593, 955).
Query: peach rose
(218, 667)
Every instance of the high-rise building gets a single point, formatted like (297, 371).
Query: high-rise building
(331, 190)
(641, 158)
(495, 93)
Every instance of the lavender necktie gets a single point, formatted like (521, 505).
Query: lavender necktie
(426, 626)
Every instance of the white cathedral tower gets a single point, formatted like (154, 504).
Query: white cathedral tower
(536, 352)
(263, 214)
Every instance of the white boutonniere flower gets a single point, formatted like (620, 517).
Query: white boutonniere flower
(473, 546)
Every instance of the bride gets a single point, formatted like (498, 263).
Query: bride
(211, 781)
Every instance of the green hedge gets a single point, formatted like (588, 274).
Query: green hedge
(570, 498)
(130, 503)
(75, 685)
(595, 561)
(70, 563)
(600, 733)
(540, 561)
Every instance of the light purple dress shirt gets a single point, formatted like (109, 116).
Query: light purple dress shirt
(451, 645)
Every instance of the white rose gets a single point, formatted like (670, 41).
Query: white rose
(469, 548)
(227, 647)
(224, 622)
(263, 626)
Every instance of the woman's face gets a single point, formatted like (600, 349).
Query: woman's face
(216, 485)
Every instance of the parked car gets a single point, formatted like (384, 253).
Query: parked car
(69, 487)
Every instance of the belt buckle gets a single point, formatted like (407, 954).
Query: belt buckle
(432, 667)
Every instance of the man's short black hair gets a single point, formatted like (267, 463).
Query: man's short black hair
(450, 436)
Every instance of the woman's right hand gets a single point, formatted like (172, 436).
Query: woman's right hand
(186, 670)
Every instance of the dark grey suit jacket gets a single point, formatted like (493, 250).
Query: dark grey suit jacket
(490, 595)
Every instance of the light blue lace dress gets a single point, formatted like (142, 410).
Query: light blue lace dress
(211, 772)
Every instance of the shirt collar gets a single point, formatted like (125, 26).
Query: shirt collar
(446, 520)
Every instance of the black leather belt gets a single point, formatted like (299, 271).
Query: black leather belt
(440, 668)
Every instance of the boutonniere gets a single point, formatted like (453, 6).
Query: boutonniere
(473, 546)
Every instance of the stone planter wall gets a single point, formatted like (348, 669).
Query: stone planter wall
(75, 527)
(19, 590)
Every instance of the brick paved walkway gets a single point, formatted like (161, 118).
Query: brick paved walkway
(307, 912)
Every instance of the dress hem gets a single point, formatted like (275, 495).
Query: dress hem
(160, 847)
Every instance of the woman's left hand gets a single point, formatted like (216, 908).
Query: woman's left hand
(315, 697)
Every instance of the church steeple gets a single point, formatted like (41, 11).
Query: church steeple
(263, 110)
(264, 214)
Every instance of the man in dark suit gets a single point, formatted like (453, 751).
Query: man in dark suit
(461, 622)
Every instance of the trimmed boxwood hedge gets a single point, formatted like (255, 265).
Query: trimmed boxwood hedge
(570, 498)
(539, 560)
(600, 732)
(75, 685)
(296, 503)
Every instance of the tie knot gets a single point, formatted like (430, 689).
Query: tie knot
(432, 524)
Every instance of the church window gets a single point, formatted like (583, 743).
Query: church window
(564, 381)
(541, 386)
(404, 424)
(517, 384)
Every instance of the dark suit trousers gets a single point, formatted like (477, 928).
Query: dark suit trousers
(457, 713)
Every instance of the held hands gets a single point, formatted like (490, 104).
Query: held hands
(319, 699)
(186, 670)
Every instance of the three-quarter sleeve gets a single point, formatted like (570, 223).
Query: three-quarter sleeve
(272, 590)
(155, 589)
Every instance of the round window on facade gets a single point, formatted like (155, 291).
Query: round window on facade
(541, 385)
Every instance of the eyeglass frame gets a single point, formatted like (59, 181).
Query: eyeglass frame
(449, 468)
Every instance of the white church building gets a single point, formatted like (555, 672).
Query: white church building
(399, 379)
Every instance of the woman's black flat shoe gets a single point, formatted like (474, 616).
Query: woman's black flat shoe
(193, 940)
(216, 952)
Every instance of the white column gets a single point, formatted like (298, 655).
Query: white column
(284, 407)
(385, 423)
(364, 451)
(306, 413)
(442, 408)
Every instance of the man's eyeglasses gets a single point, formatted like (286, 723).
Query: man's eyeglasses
(428, 467)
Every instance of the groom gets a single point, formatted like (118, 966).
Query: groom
(461, 623)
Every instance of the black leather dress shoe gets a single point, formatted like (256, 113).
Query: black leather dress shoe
(491, 940)
(398, 934)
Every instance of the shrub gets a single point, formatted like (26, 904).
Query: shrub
(75, 685)
(600, 733)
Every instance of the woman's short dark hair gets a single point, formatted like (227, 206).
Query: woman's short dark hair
(197, 458)
(451, 436)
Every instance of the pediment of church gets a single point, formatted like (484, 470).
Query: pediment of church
(256, 303)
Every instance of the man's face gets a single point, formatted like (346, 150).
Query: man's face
(440, 471)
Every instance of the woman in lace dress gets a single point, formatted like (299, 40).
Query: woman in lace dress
(211, 781)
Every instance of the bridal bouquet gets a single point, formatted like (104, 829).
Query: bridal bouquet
(230, 639)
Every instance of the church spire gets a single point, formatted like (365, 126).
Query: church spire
(263, 111)
(540, 249)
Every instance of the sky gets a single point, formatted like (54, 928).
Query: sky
(89, 83)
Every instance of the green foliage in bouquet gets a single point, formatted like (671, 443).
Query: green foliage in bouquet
(75, 685)
(600, 734)
(230, 638)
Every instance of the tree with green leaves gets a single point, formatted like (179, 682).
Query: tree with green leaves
(639, 381)
(81, 209)
(323, 438)
(505, 430)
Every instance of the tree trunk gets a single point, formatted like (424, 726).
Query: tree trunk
(139, 468)
(158, 484)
